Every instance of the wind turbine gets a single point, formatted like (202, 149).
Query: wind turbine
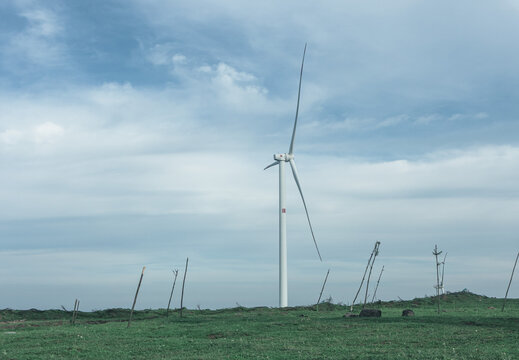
(280, 160)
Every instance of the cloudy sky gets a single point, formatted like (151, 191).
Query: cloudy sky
(134, 133)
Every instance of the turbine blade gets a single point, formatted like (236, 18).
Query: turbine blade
(291, 150)
(274, 163)
(296, 178)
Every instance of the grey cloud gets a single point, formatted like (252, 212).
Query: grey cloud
(174, 168)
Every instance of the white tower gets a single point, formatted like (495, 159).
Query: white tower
(280, 160)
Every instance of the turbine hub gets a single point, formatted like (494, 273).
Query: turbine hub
(283, 157)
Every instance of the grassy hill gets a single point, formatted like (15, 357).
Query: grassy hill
(470, 326)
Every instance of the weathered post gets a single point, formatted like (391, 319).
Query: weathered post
(377, 245)
(183, 283)
(135, 298)
(510, 282)
(363, 276)
(376, 287)
(443, 273)
(76, 312)
(322, 289)
(173, 288)
(436, 253)
(73, 312)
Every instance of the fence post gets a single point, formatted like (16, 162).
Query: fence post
(135, 298)
(183, 283)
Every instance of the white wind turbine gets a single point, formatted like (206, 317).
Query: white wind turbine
(280, 160)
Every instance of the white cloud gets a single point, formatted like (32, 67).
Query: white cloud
(41, 134)
(479, 172)
(39, 42)
(218, 84)
(237, 88)
(353, 124)
(228, 74)
(369, 57)
(462, 117)
(128, 150)
(392, 121)
(10, 136)
(47, 133)
(359, 124)
(43, 23)
(163, 54)
(157, 140)
(205, 69)
(427, 119)
(113, 94)
(179, 59)
(238, 91)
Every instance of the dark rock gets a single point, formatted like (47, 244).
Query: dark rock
(370, 313)
(408, 312)
(350, 315)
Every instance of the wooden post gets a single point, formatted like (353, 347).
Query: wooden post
(183, 283)
(73, 312)
(76, 312)
(322, 289)
(369, 275)
(510, 282)
(363, 277)
(376, 287)
(436, 253)
(135, 298)
(173, 288)
(443, 273)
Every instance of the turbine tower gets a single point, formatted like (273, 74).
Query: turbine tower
(280, 160)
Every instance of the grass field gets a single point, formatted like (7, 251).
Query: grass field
(469, 327)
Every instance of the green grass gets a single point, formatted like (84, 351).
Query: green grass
(469, 327)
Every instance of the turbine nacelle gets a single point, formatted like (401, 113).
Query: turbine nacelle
(283, 157)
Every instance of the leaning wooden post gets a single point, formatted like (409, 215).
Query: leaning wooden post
(135, 298)
(363, 277)
(376, 287)
(436, 253)
(443, 273)
(173, 288)
(369, 275)
(73, 312)
(322, 289)
(510, 282)
(183, 283)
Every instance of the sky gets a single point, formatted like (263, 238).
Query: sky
(134, 133)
